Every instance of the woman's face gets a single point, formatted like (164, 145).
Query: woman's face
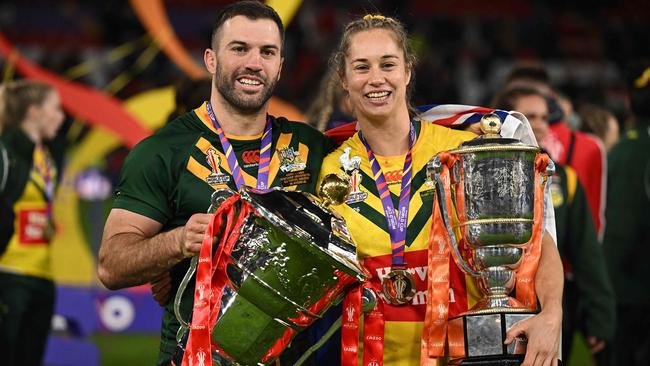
(50, 115)
(376, 75)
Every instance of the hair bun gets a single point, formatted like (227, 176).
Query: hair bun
(374, 16)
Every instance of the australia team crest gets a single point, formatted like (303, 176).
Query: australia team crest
(290, 160)
(215, 177)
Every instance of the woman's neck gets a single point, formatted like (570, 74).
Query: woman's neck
(389, 137)
(234, 122)
(31, 129)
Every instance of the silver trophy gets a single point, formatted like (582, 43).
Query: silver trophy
(493, 185)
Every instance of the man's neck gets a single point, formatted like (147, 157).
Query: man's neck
(388, 137)
(234, 122)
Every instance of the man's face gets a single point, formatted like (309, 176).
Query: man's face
(246, 62)
(535, 109)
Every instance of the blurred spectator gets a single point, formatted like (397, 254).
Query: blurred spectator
(568, 112)
(627, 237)
(584, 153)
(30, 113)
(190, 94)
(600, 122)
(588, 295)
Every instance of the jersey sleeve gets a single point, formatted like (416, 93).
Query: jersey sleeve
(146, 182)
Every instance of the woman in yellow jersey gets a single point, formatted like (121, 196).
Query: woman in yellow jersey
(389, 209)
(30, 115)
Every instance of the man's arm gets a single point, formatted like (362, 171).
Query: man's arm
(134, 251)
(543, 329)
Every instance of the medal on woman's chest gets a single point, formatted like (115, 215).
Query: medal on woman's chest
(398, 286)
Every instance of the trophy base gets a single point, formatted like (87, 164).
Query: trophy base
(512, 360)
(477, 339)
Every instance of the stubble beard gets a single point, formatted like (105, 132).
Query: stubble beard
(241, 102)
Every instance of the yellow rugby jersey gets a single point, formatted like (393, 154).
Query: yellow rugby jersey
(28, 252)
(368, 227)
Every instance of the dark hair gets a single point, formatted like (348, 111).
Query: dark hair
(190, 94)
(507, 99)
(15, 99)
(594, 119)
(250, 9)
(533, 72)
(638, 85)
(368, 22)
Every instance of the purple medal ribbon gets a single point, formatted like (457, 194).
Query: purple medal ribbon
(265, 153)
(397, 224)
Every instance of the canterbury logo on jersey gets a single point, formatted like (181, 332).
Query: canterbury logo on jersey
(251, 156)
(394, 176)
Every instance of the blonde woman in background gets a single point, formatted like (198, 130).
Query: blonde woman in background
(30, 115)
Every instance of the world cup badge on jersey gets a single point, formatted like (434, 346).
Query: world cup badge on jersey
(351, 167)
(290, 160)
(216, 177)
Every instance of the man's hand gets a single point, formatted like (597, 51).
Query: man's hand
(595, 345)
(543, 333)
(161, 288)
(193, 233)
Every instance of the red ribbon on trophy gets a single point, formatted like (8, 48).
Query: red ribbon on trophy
(435, 329)
(373, 329)
(211, 279)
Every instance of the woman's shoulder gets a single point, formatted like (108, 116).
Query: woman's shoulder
(443, 137)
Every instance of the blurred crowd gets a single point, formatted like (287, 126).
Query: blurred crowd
(578, 75)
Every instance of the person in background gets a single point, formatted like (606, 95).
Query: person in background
(601, 123)
(188, 94)
(584, 153)
(390, 154)
(588, 302)
(627, 236)
(30, 116)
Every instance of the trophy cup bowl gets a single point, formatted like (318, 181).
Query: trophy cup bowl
(492, 189)
(292, 259)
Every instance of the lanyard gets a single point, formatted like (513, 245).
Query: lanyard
(396, 223)
(265, 153)
(44, 168)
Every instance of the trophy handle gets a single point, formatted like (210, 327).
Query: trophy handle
(436, 164)
(218, 197)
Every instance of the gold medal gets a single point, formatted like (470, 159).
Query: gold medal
(398, 287)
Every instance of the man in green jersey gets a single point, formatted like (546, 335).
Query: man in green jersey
(627, 234)
(158, 218)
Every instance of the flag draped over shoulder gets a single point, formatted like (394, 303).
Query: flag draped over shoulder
(515, 125)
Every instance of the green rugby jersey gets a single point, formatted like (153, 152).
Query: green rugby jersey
(170, 176)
